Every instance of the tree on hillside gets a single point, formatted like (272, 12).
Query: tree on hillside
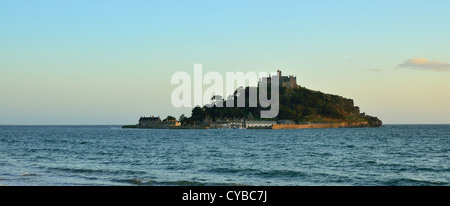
(170, 118)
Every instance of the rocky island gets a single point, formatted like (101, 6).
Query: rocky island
(299, 108)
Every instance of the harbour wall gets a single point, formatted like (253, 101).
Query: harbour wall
(320, 125)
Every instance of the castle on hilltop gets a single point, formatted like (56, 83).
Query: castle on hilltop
(289, 82)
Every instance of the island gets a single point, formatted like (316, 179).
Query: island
(299, 108)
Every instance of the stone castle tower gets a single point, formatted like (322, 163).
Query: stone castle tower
(289, 82)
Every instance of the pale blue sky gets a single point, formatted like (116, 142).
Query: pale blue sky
(108, 62)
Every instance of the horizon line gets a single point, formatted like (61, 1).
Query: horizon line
(132, 124)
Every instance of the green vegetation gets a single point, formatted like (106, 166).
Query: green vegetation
(298, 104)
(170, 118)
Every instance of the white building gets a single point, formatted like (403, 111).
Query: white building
(256, 124)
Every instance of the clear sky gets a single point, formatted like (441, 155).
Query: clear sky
(108, 62)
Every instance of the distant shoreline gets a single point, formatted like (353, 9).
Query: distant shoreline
(274, 126)
(120, 125)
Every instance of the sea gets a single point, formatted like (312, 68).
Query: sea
(392, 155)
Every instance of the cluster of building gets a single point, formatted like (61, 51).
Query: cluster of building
(289, 82)
(155, 122)
(249, 123)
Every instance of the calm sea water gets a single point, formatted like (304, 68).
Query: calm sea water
(109, 155)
